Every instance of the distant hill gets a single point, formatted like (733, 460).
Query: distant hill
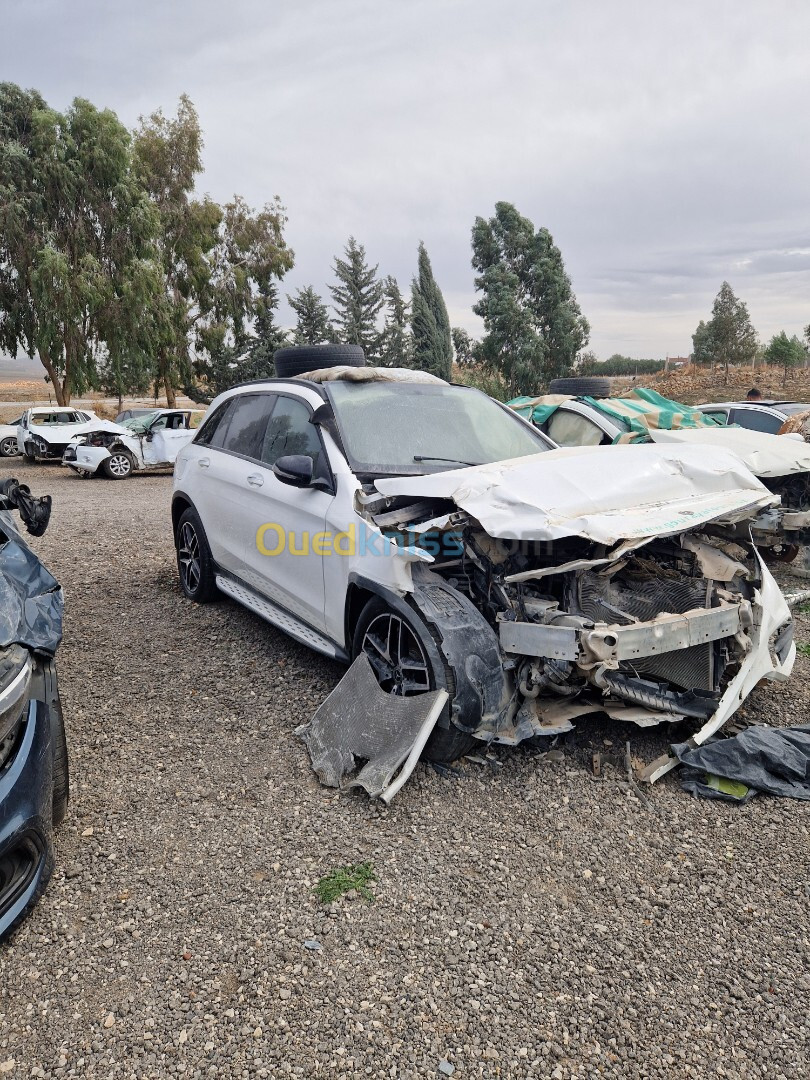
(14, 369)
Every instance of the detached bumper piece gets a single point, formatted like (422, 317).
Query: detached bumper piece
(361, 722)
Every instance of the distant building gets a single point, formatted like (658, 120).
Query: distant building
(676, 362)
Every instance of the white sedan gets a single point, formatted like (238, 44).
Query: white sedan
(8, 439)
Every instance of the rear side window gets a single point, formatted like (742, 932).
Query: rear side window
(756, 420)
(213, 430)
(572, 429)
(290, 432)
(247, 424)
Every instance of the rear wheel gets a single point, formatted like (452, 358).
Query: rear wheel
(8, 446)
(195, 565)
(405, 659)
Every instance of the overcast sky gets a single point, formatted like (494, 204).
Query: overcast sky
(665, 146)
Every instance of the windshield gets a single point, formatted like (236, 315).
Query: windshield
(414, 428)
(141, 423)
(790, 408)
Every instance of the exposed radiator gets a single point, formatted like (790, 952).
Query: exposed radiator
(618, 602)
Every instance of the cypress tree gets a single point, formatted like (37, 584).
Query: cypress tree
(357, 299)
(430, 323)
(313, 326)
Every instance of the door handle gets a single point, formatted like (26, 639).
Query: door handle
(203, 462)
(255, 479)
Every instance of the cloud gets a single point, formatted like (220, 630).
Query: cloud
(659, 144)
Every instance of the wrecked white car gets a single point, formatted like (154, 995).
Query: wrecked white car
(148, 441)
(45, 431)
(782, 464)
(371, 511)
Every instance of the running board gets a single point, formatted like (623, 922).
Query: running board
(281, 619)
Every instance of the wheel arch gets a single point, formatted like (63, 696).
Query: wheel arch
(180, 503)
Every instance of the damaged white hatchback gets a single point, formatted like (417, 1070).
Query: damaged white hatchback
(151, 440)
(386, 513)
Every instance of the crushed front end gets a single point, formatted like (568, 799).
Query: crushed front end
(626, 602)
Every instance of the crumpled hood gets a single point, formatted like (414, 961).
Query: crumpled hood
(764, 454)
(604, 494)
(99, 425)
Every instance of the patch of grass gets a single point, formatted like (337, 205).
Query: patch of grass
(804, 609)
(343, 880)
(804, 648)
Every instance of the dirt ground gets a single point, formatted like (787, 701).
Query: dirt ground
(529, 919)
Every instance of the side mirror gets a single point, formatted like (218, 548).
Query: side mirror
(294, 469)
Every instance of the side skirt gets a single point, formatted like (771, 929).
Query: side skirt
(280, 618)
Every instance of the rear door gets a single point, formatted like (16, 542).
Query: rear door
(216, 472)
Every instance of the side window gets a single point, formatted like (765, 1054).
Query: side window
(720, 415)
(213, 430)
(756, 420)
(290, 432)
(570, 429)
(247, 424)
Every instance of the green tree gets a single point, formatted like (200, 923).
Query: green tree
(268, 336)
(703, 347)
(430, 323)
(215, 259)
(464, 348)
(313, 326)
(396, 347)
(785, 352)
(357, 299)
(534, 326)
(76, 241)
(728, 337)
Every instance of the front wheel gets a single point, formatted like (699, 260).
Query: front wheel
(195, 565)
(118, 466)
(406, 660)
(8, 446)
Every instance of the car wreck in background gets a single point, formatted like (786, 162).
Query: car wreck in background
(150, 440)
(533, 585)
(33, 749)
(45, 431)
(782, 464)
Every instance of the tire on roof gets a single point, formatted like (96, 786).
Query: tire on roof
(300, 358)
(583, 387)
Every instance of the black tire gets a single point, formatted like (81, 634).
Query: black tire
(30, 458)
(587, 386)
(40, 889)
(119, 465)
(8, 446)
(61, 767)
(301, 358)
(446, 743)
(195, 566)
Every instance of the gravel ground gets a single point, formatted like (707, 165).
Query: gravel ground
(530, 920)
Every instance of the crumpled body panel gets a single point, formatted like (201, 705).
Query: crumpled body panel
(651, 491)
(31, 600)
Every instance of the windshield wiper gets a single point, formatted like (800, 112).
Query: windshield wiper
(452, 460)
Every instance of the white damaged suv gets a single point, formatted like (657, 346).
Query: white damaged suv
(387, 512)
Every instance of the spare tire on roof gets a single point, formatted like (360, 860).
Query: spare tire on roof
(300, 358)
(587, 386)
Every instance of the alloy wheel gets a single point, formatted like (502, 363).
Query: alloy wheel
(119, 465)
(188, 557)
(396, 655)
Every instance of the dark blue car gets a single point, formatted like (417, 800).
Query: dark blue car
(33, 749)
